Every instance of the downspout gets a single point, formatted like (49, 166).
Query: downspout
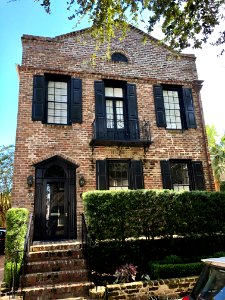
(197, 85)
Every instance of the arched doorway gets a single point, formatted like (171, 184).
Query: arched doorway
(55, 203)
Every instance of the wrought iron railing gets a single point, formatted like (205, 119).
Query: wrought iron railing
(132, 130)
(85, 237)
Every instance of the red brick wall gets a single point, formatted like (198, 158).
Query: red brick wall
(71, 54)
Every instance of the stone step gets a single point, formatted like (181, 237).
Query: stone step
(53, 246)
(58, 291)
(46, 278)
(55, 265)
(54, 255)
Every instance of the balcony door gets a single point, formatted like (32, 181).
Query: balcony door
(55, 203)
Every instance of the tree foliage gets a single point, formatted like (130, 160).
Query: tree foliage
(184, 22)
(217, 153)
(6, 168)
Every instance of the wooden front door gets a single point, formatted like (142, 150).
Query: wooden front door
(55, 205)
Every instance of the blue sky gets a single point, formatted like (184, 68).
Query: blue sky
(28, 17)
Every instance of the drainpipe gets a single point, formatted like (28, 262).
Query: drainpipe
(197, 85)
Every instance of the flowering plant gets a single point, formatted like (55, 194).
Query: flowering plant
(126, 273)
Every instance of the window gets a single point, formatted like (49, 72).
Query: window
(174, 107)
(57, 102)
(182, 175)
(119, 57)
(114, 108)
(57, 99)
(119, 174)
(116, 115)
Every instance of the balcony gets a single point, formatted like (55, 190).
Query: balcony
(134, 133)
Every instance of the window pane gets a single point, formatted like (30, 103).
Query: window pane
(118, 92)
(109, 92)
(119, 114)
(109, 114)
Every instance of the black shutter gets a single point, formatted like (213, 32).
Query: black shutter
(38, 104)
(100, 109)
(198, 175)
(189, 108)
(76, 101)
(159, 106)
(137, 178)
(166, 174)
(132, 112)
(101, 175)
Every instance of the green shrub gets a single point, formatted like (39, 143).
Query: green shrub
(219, 254)
(120, 215)
(16, 224)
(163, 271)
(172, 259)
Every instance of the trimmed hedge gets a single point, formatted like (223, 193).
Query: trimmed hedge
(159, 271)
(143, 252)
(16, 224)
(152, 213)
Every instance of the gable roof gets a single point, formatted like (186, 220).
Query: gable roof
(88, 29)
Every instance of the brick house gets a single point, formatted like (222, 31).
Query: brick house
(132, 121)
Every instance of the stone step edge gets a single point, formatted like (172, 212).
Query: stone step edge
(78, 271)
(56, 286)
(57, 261)
(55, 251)
(53, 247)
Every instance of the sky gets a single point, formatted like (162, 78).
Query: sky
(28, 17)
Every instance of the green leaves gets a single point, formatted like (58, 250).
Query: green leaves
(184, 22)
(6, 168)
(217, 152)
(16, 224)
(120, 215)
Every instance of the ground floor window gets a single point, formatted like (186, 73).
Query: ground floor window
(119, 174)
(182, 175)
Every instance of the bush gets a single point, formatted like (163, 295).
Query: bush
(158, 271)
(120, 215)
(140, 252)
(16, 224)
(172, 259)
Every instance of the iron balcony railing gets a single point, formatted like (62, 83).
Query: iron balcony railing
(132, 130)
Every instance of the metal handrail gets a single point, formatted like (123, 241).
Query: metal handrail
(85, 237)
(131, 130)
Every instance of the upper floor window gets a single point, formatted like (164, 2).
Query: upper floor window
(114, 107)
(57, 102)
(57, 99)
(116, 114)
(174, 107)
(119, 57)
(182, 175)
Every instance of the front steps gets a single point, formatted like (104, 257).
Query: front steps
(56, 271)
